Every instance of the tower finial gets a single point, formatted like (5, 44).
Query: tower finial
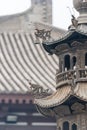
(81, 7)
(73, 19)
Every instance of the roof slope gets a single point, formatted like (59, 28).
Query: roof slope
(21, 59)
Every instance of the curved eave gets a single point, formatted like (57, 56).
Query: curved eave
(62, 95)
(55, 99)
(70, 36)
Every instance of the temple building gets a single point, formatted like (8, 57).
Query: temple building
(28, 70)
(20, 62)
(68, 104)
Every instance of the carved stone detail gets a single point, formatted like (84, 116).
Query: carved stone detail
(43, 34)
(72, 75)
(76, 44)
(38, 91)
(78, 108)
(80, 120)
(61, 48)
(61, 111)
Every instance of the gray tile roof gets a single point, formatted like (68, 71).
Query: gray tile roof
(21, 59)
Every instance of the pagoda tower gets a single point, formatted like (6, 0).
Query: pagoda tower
(69, 103)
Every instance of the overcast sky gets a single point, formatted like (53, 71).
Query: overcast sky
(61, 13)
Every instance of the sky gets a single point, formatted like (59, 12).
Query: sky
(62, 10)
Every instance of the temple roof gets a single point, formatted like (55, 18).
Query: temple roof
(15, 22)
(21, 60)
(12, 16)
(71, 35)
(62, 94)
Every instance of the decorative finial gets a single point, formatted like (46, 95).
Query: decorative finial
(81, 7)
(74, 21)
